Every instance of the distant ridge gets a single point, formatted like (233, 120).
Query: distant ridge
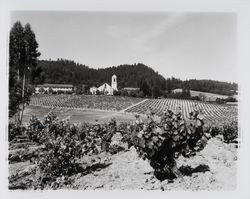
(69, 72)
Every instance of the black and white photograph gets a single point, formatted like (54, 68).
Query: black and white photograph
(128, 100)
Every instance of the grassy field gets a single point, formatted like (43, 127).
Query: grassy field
(78, 115)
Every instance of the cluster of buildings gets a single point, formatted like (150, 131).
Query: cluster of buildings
(43, 88)
(105, 88)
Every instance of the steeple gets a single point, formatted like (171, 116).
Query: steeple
(114, 82)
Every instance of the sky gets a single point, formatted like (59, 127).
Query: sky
(182, 45)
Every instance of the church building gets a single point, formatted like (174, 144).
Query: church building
(106, 89)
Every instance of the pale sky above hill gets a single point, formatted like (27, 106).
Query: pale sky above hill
(183, 45)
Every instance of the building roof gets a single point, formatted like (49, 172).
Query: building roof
(56, 85)
(105, 85)
(130, 88)
(232, 103)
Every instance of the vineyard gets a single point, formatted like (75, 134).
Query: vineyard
(65, 133)
(171, 144)
(213, 112)
(84, 101)
(168, 155)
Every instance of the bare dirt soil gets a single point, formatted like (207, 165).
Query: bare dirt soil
(214, 168)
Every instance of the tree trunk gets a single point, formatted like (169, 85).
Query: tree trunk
(23, 100)
(176, 172)
(23, 87)
(172, 168)
(18, 78)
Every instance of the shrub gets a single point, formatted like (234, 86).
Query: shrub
(117, 93)
(65, 144)
(133, 93)
(96, 138)
(62, 149)
(62, 152)
(90, 135)
(69, 92)
(230, 132)
(111, 129)
(195, 98)
(115, 148)
(35, 130)
(213, 130)
(162, 142)
(50, 91)
(140, 94)
(41, 90)
(231, 99)
(14, 131)
(60, 92)
(99, 92)
(124, 92)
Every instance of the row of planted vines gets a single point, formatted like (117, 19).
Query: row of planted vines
(212, 112)
(84, 101)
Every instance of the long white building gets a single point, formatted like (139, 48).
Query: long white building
(54, 87)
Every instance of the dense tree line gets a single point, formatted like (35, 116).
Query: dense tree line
(139, 75)
(136, 75)
(212, 86)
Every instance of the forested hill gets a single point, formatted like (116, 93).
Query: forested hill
(136, 75)
(212, 86)
(64, 71)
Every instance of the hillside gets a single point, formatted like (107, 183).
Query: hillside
(136, 75)
(209, 96)
(212, 86)
(64, 71)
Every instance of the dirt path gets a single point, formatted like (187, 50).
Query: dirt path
(122, 111)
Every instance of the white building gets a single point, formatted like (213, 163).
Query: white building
(106, 89)
(130, 89)
(93, 90)
(54, 87)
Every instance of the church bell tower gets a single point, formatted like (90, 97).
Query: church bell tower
(114, 82)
